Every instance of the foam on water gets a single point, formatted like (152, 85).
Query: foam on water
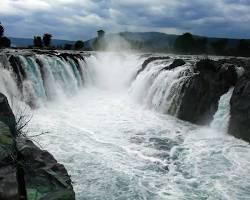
(115, 148)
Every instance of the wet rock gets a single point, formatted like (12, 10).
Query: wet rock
(8, 176)
(176, 63)
(203, 90)
(239, 124)
(149, 60)
(25, 169)
(6, 114)
(45, 178)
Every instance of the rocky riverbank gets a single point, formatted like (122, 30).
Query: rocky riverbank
(26, 171)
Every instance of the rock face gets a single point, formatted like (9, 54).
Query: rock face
(6, 114)
(26, 171)
(176, 63)
(239, 125)
(44, 177)
(8, 175)
(202, 92)
(149, 60)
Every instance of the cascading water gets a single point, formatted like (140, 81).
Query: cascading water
(160, 89)
(115, 148)
(221, 117)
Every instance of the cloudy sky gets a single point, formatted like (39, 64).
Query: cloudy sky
(79, 19)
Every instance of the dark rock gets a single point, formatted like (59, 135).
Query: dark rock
(8, 175)
(44, 177)
(17, 69)
(239, 124)
(6, 114)
(203, 90)
(149, 60)
(176, 63)
(26, 170)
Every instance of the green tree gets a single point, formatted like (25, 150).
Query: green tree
(79, 44)
(184, 43)
(47, 39)
(220, 46)
(37, 41)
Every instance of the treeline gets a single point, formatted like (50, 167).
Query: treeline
(4, 41)
(188, 44)
(45, 42)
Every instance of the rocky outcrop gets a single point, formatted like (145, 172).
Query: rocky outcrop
(201, 93)
(8, 171)
(239, 124)
(26, 171)
(176, 63)
(149, 60)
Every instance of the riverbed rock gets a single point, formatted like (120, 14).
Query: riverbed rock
(25, 169)
(203, 90)
(176, 63)
(8, 175)
(239, 124)
(149, 60)
(45, 178)
(6, 114)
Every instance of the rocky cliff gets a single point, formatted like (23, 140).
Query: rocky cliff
(26, 171)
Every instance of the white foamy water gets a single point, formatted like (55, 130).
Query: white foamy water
(116, 148)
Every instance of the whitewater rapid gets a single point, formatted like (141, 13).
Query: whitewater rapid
(117, 146)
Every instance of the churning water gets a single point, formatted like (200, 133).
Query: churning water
(116, 146)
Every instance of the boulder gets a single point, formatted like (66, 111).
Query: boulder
(176, 63)
(201, 93)
(44, 177)
(149, 60)
(26, 171)
(6, 114)
(8, 175)
(239, 124)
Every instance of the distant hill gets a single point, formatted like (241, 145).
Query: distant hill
(25, 42)
(156, 41)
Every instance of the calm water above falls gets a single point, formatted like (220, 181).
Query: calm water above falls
(118, 147)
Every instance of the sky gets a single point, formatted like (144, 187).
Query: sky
(80, 19)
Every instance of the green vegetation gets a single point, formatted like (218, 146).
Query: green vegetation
(47, 39)
(4, 41)
(79, 45)
(37, 41)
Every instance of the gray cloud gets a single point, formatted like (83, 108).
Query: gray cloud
(79, 19)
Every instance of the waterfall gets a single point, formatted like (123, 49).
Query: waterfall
(35, 78)
(221, 117)
(160, 89)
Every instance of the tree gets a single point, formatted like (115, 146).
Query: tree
(243, 48)
(37, 41)
(79, 44)
(67, 46)
(5, 42)
(184, 43)
(219, 46)
(47, 39)
(201, 45)
(1, 30)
